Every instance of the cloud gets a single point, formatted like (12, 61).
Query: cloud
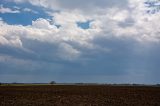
(115, 23)
(7, 10)
(121, 39)
(43, 24)
(16, 7)
(30, 10)
(76, 4)
(67, 52)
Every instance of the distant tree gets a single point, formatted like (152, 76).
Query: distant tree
(0, 83)
(14, 83)
(52, 82)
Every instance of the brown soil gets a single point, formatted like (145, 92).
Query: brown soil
(72, 95)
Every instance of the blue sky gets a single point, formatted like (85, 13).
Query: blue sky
(99, 41)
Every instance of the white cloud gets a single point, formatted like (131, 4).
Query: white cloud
(16, 7)
(6, 37)
(42, 24)
(7, 10)
(90, 5)
(27, 9)
(15, 41)
(67, 52)
(122, 21)
(30, 10)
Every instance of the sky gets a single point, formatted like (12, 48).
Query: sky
(92, 41)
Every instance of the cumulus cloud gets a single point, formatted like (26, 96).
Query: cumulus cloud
(119, 37)
(114, 22)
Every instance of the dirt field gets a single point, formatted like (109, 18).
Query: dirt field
(71, 95)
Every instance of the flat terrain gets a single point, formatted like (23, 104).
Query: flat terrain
(80, 95)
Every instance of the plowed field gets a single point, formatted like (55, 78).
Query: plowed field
(80, 95)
